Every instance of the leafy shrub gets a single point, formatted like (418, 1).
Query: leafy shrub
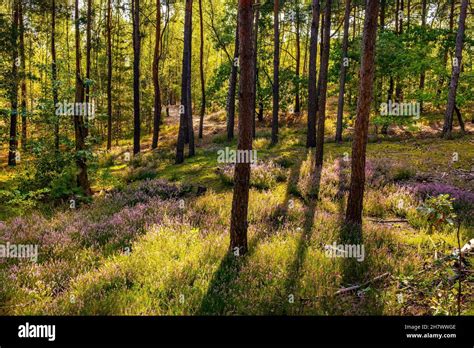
(459, 196)
(438, 211)
(463, 201)
(64, 184)
(403, 173)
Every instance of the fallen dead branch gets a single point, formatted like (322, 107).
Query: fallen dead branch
(355, 287)
(387, 221)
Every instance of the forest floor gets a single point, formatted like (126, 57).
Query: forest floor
(154, 240)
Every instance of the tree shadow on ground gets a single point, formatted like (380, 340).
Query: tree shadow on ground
(281, 212)
(218, 298)
(353, 271)
(357, 270)
(294, 270)
(348, 234)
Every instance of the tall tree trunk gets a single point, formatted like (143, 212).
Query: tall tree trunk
(445, 53)
(136, 75)
(460, 120)
(359, 143)
(23, 78)
(318, 86)
(201, 73)
(13, 93)
(305, 50)
(351, 100)
(312, 97)
(391, 86)
(298, 55)
(456, 69)
(260, 111)
(233, 87)
(189, 115)
(421, 85)
(88, 63)
(323, 82)
(185, 107)
(109, 74)
(399, 84)
(342, 76)
(156, 79)
(276, 70)
(383, 4)
(79, 128)
(54, 73)
(397, 18)
(408, 14)
(255, 67)
(239, 222)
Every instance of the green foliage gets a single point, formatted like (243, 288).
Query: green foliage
(216, 87)
(438, 211)
(64, 184)
(403, 173)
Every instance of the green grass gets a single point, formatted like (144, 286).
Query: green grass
(182, 266)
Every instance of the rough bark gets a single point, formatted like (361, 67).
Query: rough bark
(239, 222)
(13, 93)
(79, 128)
(391, 86)
(399, 84)
(185, 111)
(383, 4)
(201, 72)
(342, 76)
(323, 82)
(136, 75)
(460, 120)
(359, 143)
(54, 73)
(255, 67)
(445, 53)
(233, 87)
(318, 86)
(298, 55)
(109, 74)
(421, 85)
(189, 109)
(88, 62)
(312, 97)
(448, 116)
(23, 78)
(276, 70)
(156, 79)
